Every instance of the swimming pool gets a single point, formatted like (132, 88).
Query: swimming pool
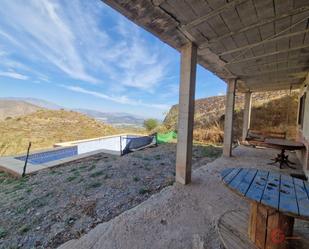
(48, 156)
(74, 150)
(117, 145)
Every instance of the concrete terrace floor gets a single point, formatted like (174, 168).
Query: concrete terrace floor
(180, 216)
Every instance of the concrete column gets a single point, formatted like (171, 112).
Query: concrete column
(247, 115)
(186, 113)
(229, 116)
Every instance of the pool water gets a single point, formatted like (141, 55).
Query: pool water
(48, 156)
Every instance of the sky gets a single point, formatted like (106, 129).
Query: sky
(84, 54)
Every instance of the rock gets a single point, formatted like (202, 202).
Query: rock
(163, 222)
(38, 243)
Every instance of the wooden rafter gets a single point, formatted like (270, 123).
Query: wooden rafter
(264, 88)
(273, 79)
(264, 42)
(297, 58)
(158, 2)
(270, 84)
(255, 25)
(301, 67)
(213, 13)
(268, 54)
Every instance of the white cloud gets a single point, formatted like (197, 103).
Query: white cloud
(46, 34)
(86, 42)
(138, 64)
(220, 94)
(14, 75)
(118, 99)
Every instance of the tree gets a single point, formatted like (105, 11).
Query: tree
(150, 124)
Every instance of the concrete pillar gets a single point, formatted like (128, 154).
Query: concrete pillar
(186, 113)
(247, 115)
(229, 116)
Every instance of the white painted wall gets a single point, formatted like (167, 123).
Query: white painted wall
(306, 116)
(304, 132)
(111, 143)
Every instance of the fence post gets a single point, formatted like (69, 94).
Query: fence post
(26, 161)
(120, 146)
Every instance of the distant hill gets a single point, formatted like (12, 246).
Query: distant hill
(15, 108)
(269, 112)
(47, 127)
(38, 102)
(115, 119)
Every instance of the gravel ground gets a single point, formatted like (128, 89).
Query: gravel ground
(59, 204)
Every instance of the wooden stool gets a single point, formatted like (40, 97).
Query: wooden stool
(268, 228)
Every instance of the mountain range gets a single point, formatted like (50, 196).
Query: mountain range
(18, 106)
(116, 118)
(10, 108)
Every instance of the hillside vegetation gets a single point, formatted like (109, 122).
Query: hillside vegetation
(46, 127)
(14, 108)
(275, 111)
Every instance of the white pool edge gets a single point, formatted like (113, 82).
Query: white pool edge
(15, 166)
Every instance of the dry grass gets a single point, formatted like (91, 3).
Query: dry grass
(271, 111)
(277, 115)
(46, 127)
(212, 134)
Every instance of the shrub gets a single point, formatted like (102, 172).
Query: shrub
(143, 191)
(71, 178)
(97, 173)
(150, 124)
(23, 229)
(94, 185)
(136, 178)
(3, 232)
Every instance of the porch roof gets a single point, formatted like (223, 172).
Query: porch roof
(264, 43)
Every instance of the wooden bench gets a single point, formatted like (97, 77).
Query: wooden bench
(257, 138)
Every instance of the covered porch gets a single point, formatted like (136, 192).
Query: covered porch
(252, 45)
(185, 216)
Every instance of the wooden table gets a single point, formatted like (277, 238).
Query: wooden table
(275, 199)
(283, 145)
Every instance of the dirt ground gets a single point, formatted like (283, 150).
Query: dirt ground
(63, 203)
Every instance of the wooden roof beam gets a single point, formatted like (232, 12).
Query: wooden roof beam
(158, 2)
(255, 25)
(290, 59)
(264, 41)
(302, 67)
(270, 84)
(278, 83)
(274, 87)
(253, 81)
(213, 13)
(268, 54)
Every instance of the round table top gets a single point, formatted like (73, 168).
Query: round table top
(284, 193)
(284, 143)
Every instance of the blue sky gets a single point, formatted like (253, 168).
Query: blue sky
(83, 54)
